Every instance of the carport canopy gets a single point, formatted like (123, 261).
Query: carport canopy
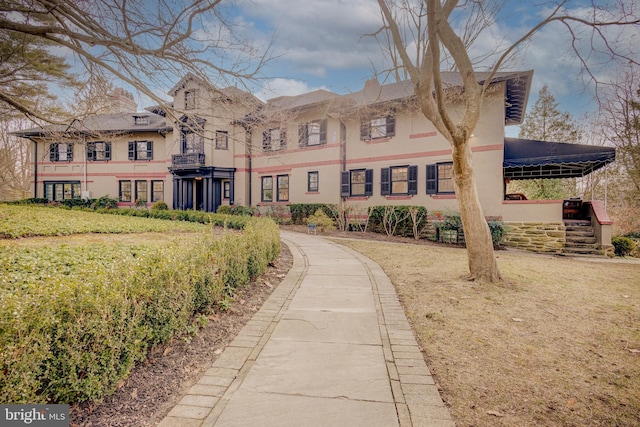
(531, 159)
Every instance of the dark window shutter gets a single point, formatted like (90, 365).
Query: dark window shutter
(283, 138)
(132, 150)
(69, 152)
(323, 131)
(91, 151)
(432, 179)
(53, 152)
(266, 140)
(345, 188)
(385, 181)
(413, 180)
(391, 125)
(365, 129)
(303, 135)
(149, 150)
(368, 182)
(107, 150)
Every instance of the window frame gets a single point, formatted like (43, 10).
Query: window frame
(75, 190)
(92, 151)
(434, 178)
(155, 192)
(282, 187)
(55, 152)
(345, 183)
(222, 135)
(319, 132)
(141, 120)
(190, 99)
(387, 180)
(263, 188)
(135, 150)
(226, 190)
(384, 130)
(268, 138)
(311, 188)
(122, 191)
(139, 191)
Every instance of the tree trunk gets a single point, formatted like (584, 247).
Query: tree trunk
(482, 261)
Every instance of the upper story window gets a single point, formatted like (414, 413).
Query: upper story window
(99, 150)
(312, 133)
(190, 99)
(399, 180)
(140, 120)
(222, 140)
(192, 140)
(358, 182)
(60, 152)
(140, 150)
(274, 139)
(377, 127)
(440, 178)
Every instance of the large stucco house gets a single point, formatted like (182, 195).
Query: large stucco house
(373, 147)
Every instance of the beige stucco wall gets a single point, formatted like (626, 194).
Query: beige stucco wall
(101, 178)
(532, 210)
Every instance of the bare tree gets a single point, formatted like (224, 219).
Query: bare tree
(143, 44)
(422, 54)
(15, 157)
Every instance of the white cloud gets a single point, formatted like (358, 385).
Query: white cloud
(283, 87)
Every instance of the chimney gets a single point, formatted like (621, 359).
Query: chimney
(122, 101)
(371, 90)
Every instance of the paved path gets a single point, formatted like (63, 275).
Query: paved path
(330, 347)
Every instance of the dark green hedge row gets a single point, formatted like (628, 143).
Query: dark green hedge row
(301, 211)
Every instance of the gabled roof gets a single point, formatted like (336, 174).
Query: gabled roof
(530, 159)
(102, 123)
(231, 93)
(302, 100)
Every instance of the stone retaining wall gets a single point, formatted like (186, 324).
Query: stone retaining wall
(535, 236)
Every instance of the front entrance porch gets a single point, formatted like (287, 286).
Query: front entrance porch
(202, 188)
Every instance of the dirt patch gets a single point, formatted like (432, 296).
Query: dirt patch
(556, 343)
(156, 385)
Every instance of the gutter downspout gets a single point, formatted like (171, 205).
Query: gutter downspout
(35, 168)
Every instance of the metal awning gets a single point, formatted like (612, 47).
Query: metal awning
(531, 159)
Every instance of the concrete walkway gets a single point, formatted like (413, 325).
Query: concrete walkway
(330, 347)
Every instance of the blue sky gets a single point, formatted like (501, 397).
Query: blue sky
(321, 45)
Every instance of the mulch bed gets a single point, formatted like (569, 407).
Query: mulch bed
(156, 385)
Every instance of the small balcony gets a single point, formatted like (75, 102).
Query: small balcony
(187, 161)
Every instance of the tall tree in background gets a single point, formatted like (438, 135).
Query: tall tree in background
(546, 122)
(620, 125)
(426, 34)
(141, 43)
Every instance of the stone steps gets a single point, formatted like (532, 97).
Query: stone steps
(580, 239)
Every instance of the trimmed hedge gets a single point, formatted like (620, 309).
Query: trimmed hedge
(74, 320)
(301, 211)
(623, 246)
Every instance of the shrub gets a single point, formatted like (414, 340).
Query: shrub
(396, 219)
(243, 210)
(623, 246)
(301, 211)
(224, 210)
(321, 220)
(160, 206)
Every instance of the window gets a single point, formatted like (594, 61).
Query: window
(226, 189)
(399, 180)
(192, 140)
(157, 191)
(267, 189)
(141, 191)
(313, 182)
(190, 99)
(357, 182)
(274, 139)
(312, 133)
(283, 188)
(140, 120)
(378, 127)
(57, 191)
(222, 140)
(440, 178)
(97, 151)
(60, 152)
(124, 191)
(140, 150)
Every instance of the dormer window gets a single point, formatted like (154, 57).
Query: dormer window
(140, 120)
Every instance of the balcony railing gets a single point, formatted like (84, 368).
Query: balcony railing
(183, 161)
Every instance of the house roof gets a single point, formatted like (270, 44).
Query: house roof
(518, 84)
(102, 123)
(303, 100)
(531, 159)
